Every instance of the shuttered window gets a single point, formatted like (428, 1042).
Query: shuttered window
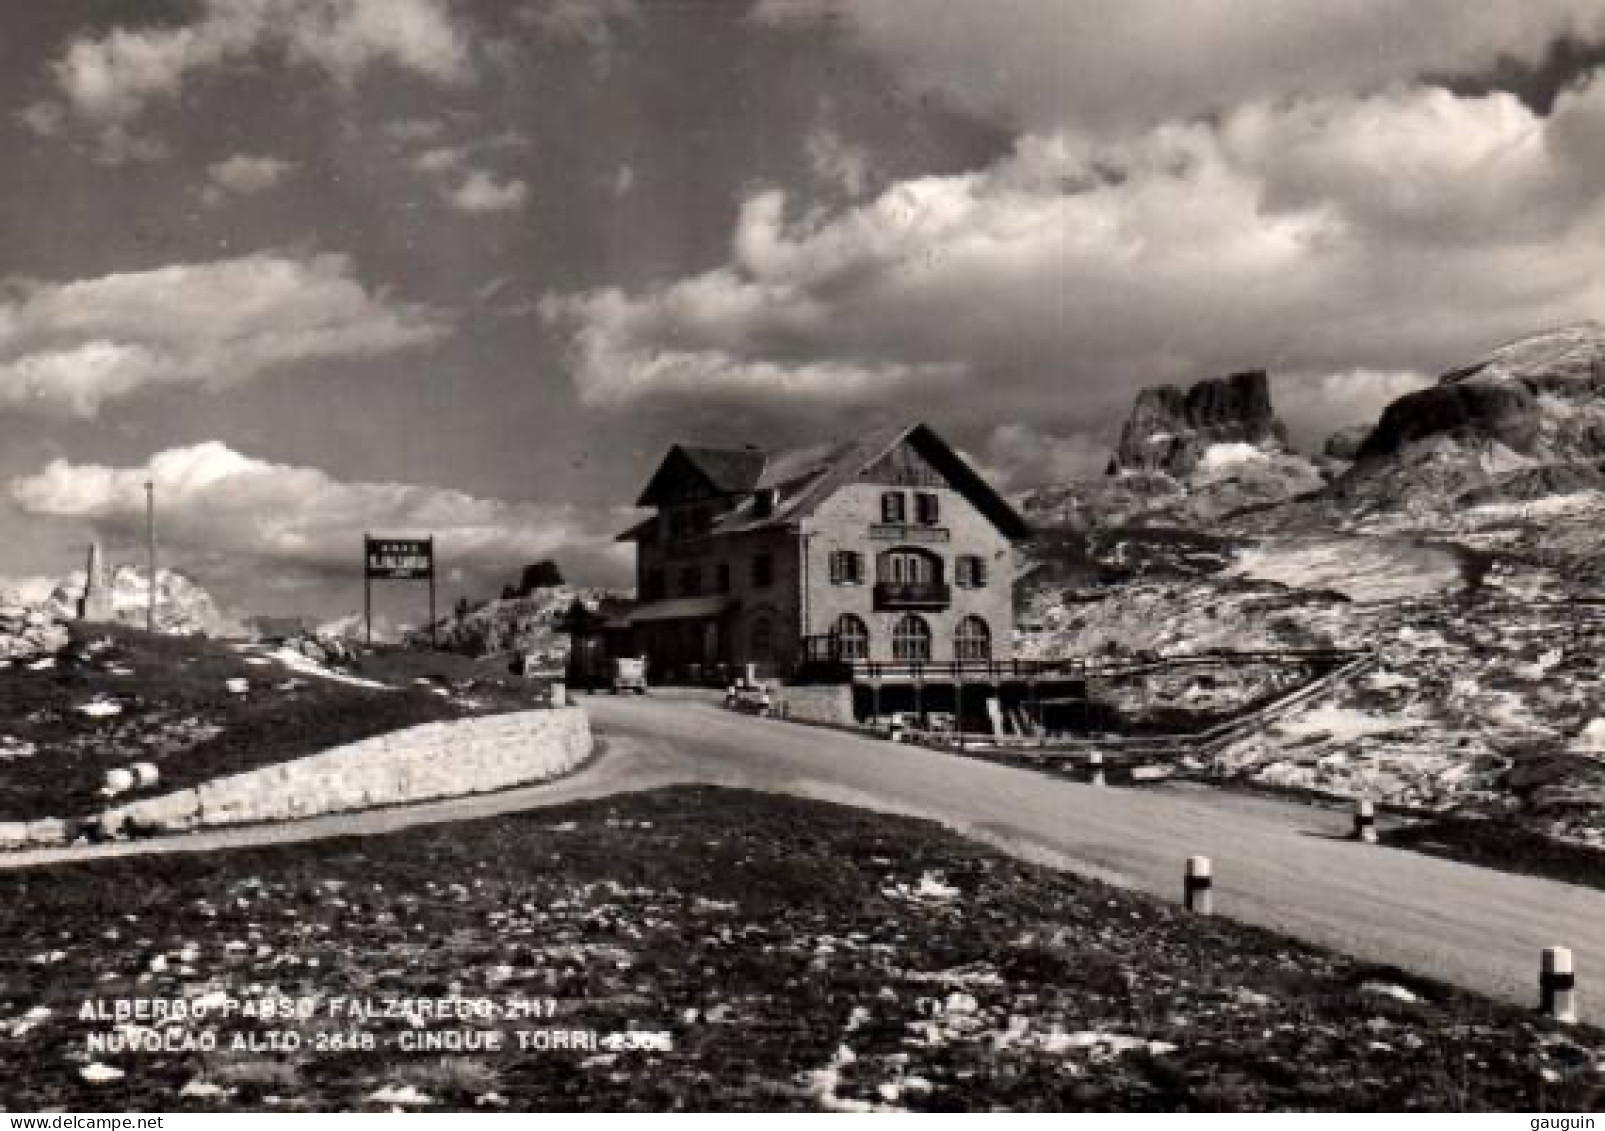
(969, 571)
(893, 507)
(846, 567)
(927, 508)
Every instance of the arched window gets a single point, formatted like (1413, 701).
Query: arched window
(762, 640)
(909, 567)
(851, 636)
(972, 640)
(911, 639)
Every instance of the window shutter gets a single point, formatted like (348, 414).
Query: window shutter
(855, 567)
(980, 572)
(928, 508)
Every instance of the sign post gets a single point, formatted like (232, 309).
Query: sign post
(397, 559)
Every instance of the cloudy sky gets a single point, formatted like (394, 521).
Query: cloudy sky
(467, 266)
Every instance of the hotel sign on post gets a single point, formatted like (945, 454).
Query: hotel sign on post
(397, 559)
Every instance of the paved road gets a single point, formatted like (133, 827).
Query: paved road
(1278, 864)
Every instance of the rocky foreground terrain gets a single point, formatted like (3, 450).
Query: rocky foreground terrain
(728, 951)
(1460, 538)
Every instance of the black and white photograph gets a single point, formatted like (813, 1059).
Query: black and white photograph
(802, 556)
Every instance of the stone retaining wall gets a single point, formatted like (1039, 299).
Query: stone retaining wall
(824, 703)
(436, 760)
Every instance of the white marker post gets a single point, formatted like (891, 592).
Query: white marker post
(1197, 888)
(1556, 982)
(1095, 767)
(896, 732)
(1365, 821)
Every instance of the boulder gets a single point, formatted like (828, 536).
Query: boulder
(1345, 444)
(1506, 412)
(117, 781)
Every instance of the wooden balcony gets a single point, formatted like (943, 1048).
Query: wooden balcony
(891, 595)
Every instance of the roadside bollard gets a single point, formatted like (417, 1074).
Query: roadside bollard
(1095, 766)
(1365, 821)
(1556, 996)
(896, 733)
(1198, 884)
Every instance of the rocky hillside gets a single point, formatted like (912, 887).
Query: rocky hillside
(27, 630)
(182, 606)
(1526, 422)
(528, 624)
(1460, 538)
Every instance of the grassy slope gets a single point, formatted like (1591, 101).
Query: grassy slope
(1504, 846)
(766, 935)
(178, 713)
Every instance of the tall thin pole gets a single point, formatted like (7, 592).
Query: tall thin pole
(150, 543)
(433, 641)
(367, 589)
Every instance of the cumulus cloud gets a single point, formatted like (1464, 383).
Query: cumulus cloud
(590, 22)
(109, 80)
(244, 175)
(30, 590)
(1021, 456)
(232, 513)
(1315, 405)
(1327, 239)
(67, 348)
(837, 162)
(481, 192)
(439, 158)
(1106, 66)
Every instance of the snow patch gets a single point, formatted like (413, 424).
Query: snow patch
(1220, 457)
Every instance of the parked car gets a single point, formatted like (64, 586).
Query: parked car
(629, 675)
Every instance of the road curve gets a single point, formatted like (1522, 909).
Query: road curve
(1278, 864)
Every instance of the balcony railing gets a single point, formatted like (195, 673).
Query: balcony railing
(912, 595)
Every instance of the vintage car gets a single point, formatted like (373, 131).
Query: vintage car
(629, 674)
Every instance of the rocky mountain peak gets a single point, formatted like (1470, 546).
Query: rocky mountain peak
(1559, 358)
(1170, 428)
(1542, 395)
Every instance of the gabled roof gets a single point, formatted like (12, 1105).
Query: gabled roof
(635, 533)
(805, 478)
(726, 471)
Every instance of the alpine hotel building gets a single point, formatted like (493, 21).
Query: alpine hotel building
(888, 547)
